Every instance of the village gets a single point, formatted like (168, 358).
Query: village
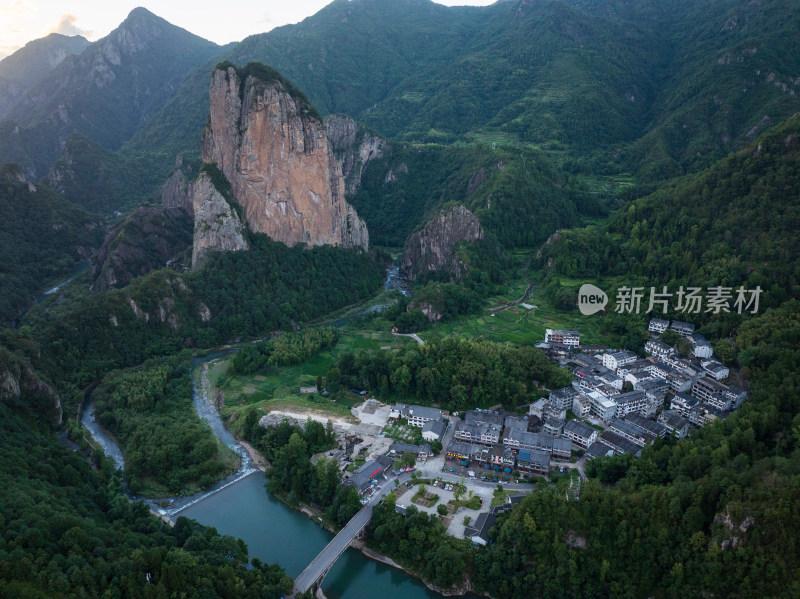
(469, 467)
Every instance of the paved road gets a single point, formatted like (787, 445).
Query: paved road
(328, 556)
(414, 336)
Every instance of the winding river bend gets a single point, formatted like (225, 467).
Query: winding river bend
(241, 506)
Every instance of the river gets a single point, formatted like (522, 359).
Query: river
(274, 533)
(241, 506)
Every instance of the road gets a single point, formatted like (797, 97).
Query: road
(328, 556)
(414, 336)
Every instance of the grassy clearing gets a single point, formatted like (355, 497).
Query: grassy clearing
(520, 326)
(473, 503)
(281, 390)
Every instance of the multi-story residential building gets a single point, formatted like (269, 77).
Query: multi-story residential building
(581, 405)
(601, 406)
(682, 328)
(713, 392)
(701, 348)
(658, 349)
(571, 338)
(631, 432)
(562, 398)
(483, 417)
(660, 370)
(679, 382)
(434, 430)
(715, 369)
(531, 460)
(611, 379)
(683, 403)
(635, 377)
(658, 325)
(483, 434)
(632, 401)
(580, 433)
(553, 421)
(737, 395)
(518, 423)
(676, 424)
(419, 415)
(619, 444)
(538, 441)
(656, 429)
(614, 360)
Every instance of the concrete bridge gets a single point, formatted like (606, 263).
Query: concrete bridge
(311, 578)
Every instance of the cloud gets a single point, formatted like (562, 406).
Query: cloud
(66, 26)
(19, 8)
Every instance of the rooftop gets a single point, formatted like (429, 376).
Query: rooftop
(578, 428)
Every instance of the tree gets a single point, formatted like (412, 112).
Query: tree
(442, 509)
(333, 379)
(436, 447)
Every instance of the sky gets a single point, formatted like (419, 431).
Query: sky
(232, 20)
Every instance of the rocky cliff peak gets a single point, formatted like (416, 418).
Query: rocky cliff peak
(432, 247)
(271, 146)
(217, 226)
(354, 146)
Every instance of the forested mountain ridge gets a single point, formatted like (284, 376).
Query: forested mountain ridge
(602, 77)
(736, 223)
(42, 238)
(130, 74)
(28, 65)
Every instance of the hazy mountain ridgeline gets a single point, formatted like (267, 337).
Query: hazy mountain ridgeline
(602, 85)
(105, 93)
(27, 66)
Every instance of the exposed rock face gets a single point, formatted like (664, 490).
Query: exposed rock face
(175, 192)
(20, 383)
(216, 224)
(272, 147)
(146, 239)
(431, 248)
(354, 146)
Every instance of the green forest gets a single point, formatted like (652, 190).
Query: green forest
(622, 143)
(456, 374)
(68, 530)
(168, 449)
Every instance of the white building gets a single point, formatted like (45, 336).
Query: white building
(581, 405)
(615, 360)
(580, 433)
(701, 348)
(628, 403)
(658, 348)
(419, 415)
(715, 369)
(572, 338)
(602, 407)
(658, 325)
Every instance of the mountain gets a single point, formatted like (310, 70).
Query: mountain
(732, 224)
(42, 238)
(148, 238)
(105, 93)
(273, 162)
(27, 66)
(604, 85)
